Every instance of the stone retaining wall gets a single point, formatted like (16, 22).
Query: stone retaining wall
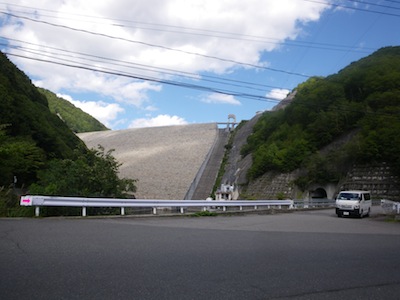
(375, 178)
(271, 186)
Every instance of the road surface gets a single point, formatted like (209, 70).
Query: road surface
(300, 255)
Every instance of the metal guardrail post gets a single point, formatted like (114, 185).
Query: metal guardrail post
(37, 211)
(84, 211)
(122, 211)
(154, 210)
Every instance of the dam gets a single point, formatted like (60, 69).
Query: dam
(169, 162)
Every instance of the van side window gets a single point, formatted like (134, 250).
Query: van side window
(367, 197)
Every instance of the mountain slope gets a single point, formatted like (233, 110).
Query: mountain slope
(75, 118)
(359, 105)
(29, 133)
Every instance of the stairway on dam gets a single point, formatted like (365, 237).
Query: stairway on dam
(203, 188)
(165, 160)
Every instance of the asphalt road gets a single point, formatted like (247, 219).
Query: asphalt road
(301, 255)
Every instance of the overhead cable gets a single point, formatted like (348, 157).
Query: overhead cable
(152, 79)
(147, 68)
(354, 8)
(156, 46)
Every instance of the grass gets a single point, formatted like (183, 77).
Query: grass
(204, 213)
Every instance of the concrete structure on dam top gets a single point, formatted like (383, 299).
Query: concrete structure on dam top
(165, 160)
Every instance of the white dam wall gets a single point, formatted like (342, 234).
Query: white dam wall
(164, 160)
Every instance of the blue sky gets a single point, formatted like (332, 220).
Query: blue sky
(202, 59)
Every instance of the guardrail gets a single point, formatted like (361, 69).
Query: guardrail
(322, 203)
(314, 203)
(38, 201)
(390, 207)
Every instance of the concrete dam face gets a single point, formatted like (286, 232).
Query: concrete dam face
(164, 160)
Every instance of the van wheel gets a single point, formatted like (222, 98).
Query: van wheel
(360, 215)
(369, 211)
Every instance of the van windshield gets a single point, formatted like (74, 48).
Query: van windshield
(348, 196)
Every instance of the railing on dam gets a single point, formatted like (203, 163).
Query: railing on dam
(181, 205)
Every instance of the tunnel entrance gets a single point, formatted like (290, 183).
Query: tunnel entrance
(319, 193)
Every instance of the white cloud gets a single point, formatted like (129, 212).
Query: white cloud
(217, 98)
(278, 94)
(106, 113)
(160, 120)
(150, 108)
(120, 89)
(141, 39)
(208, 27)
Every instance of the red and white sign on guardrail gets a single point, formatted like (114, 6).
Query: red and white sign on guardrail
(26, 201)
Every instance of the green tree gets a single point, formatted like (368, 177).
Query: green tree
(20, 158)
(76, 119)
(362, 98)
(93, 174)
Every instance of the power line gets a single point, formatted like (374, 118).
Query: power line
(152, 79)
(156, 46)
(353, 8)
(205, 32)
(303, 44)
(214, 33)
(195, 31)
(164, 71)
(373, 4)
(322, 46)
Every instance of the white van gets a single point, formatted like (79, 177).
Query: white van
(353, 203)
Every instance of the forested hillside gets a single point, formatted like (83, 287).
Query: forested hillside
(32, 133)
(359, 105)
(75, 118)
(39, 154)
